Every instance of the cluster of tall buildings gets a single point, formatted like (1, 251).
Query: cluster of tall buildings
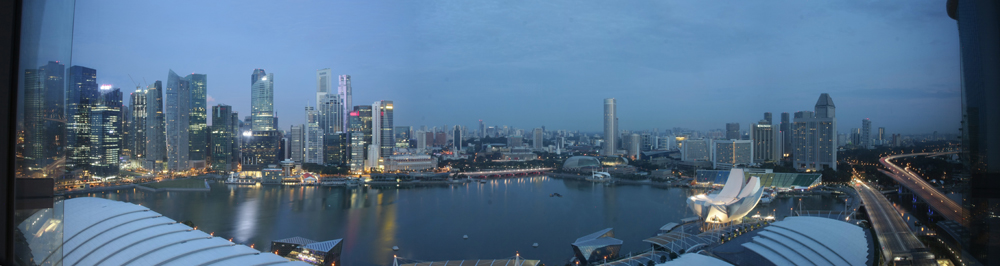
(810, 140)
(73, 124)
(336, 132)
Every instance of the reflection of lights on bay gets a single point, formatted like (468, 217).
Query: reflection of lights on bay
(246, 219)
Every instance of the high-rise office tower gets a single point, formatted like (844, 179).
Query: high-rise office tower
(482, 129)
(262, 146)
(137, 126)
(978, 22)
(786, 135)
(105, 134)
(382, 137)
(156, 149)
(856, 137)
(610, 127)
(178, 115)
(82, 96)
(538, 142)
(881, 135)
(313, 143)
(732, 130)
(457, 139)
(222, 136)
(198, 131)
(330, 111)
(766, 142)
(126, 132)
(262, 101)
(344, 92)
(866, 133)
(402, 136)
(335, 151)
(767, 117)
(45, 118)
(296, 143)
(324, 83)
(237, 148)
(360, 136)
(421, 140)
(814, 138)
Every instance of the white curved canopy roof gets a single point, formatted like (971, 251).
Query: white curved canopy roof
(106, 232)
(805, 240)
(695, 259)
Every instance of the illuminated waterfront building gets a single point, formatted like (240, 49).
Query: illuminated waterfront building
(732, 203)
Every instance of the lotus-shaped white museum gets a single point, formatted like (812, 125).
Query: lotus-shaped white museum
(734, 201)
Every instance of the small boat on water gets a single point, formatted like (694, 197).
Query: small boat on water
(482, 180)
(555, 195)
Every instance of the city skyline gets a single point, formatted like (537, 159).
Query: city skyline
(730, 86)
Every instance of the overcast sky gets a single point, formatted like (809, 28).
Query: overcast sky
(532, 63)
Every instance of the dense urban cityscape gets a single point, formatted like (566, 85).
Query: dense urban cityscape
(160, 172)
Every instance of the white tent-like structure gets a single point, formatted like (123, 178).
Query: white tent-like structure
(99, 231)
(732, 203)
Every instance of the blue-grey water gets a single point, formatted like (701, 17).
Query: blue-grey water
(427, 223)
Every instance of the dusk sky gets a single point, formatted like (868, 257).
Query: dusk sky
(528, 64)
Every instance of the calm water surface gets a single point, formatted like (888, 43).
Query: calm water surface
(427, 223)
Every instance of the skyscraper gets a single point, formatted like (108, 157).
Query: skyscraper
(222, 138)
(198, 132)
(262, 100)
(344, 93)
(977, 23)
(324, 82)
(137, 126)
(610, 127)
(45, 117)
(360, 136)
(786, 135)
(538, 142)
(767, 117)
(313, 143)
(866, 133)
(330, 111)
(382, 138)
(237, 148)
(156, 151)
(766, 142)
(82, 96)
(732, 130)
(482, 129)
(296, 141)
(178, 115)
(262, 146)
(815, 135)
(457, 139)
(105, 133)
